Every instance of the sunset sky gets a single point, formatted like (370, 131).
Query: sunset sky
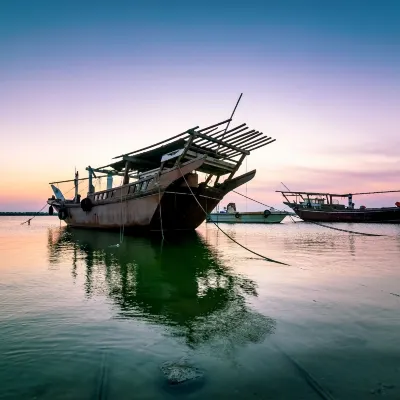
(83, 81)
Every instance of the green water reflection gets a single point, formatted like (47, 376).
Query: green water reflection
(180, 283)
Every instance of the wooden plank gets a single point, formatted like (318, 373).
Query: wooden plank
(156, 144)
(232, 136)
(222, 143)
(70, 180)
(239, 163)
(126, 174)
(246, 138)
(255, 142)
(212, 126)
(218, 134)
(261, 145)
(251, 144)
(292, 193)
(231, 154)
(182, 156)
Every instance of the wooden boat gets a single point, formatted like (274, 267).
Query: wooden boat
(160, 188)
(231, 216)
(324, 207)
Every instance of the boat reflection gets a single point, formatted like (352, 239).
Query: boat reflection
(181, 284)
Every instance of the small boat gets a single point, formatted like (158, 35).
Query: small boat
(161, 187)
(325, 207)
(231, 216)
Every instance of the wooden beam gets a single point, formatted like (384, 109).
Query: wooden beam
(181, 157)
(246, 138)
(224, 144)
(215, 134)
(212, 126)
(126, 174)
(261, 145)
(232, 136)
(70, 180)
(257, 144)
(239, 163)
(208, 178)
(156, 144)
(104, 171)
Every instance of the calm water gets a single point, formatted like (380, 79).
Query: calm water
(83, 319)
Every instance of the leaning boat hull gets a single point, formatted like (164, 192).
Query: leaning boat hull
(376, 215)
(170, 209)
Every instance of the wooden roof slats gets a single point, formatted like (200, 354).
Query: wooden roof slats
(219, 143)
(232, 154)
(261, 145)
(225, 144)
(219, 134)
(238, 141)
(209, 132)
(232, 136)
(236, 138)
(231, 133)
(248, 145)
(157, 144)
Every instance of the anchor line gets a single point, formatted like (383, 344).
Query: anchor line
(229, 237)
(342, 230)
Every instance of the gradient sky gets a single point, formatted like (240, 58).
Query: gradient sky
(83, 81)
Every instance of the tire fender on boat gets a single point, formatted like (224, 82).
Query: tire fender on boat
(267, 213)
(237, 215)
(86, 204)
(62, 214)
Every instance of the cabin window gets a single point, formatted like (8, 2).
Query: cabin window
(150, 182)
(96, 197)
(137, 187)
(112, 193)
(132, 189)
(105, 195)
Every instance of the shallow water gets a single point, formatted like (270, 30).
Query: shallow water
(81, 318)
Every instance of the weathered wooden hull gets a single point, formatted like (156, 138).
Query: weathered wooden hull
(170, 207)
(372, 215)
(247, 218)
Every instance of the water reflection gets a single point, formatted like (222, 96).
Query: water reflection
(181, 284)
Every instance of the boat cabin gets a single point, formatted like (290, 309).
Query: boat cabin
(316, 201)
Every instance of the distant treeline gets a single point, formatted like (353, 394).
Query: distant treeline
(27, 213)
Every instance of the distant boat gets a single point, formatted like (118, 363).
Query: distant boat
(231, 216)
(160, 188)
(323, 207)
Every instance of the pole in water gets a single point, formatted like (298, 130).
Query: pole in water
(29, 221)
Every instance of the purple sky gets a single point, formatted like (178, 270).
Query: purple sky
(80, 85)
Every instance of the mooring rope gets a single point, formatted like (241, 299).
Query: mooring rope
(28, 220)
(342, 230)
(233, 240)
(311, 380)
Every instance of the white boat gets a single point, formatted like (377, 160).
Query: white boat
(231, 216)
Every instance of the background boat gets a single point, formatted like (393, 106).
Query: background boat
(322, 207)
(232, 216)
